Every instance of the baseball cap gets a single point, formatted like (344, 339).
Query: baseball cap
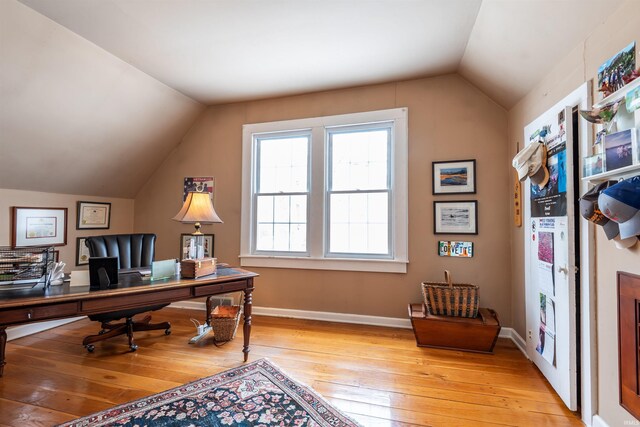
(621, 203)
(625, 243)
(529, 161)
(590, 210)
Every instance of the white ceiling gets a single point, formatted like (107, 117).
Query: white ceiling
(94, 94)
(217, 51)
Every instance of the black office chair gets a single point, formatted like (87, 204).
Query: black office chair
(133, 251)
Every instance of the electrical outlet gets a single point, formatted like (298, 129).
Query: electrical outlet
(530, 334)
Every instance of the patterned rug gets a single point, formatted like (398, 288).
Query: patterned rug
(255, 394)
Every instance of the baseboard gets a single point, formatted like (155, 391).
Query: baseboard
(597, 421)
(33, 328)
(516, 338)
(312, 315)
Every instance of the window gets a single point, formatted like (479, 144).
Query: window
(326, 193)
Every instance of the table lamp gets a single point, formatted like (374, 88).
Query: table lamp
(197, 209)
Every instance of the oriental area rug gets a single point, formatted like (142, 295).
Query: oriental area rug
(255, 394)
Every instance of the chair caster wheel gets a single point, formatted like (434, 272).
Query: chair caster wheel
(134, 347)
(90, 348)
(167, 331)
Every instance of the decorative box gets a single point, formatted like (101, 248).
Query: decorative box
(455, 333)
(194, 268)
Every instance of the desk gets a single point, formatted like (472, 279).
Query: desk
(57, 302)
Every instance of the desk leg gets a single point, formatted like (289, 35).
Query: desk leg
(209, 309)
(3, 344)
(247, 317)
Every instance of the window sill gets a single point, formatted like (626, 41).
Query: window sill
(342, 264)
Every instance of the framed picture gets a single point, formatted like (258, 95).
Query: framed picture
(454, 177)
(38, 226)
(93, 215)
(619, 149)
(200, 184)
(593, 165)
(185, 241)
(455, 249)
(456, 217)
(82, 251)
(611, 74)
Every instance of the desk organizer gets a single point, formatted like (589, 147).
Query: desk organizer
(194, 268)
(25, 268)
(456, 333)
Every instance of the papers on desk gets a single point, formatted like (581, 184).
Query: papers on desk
(79, 278)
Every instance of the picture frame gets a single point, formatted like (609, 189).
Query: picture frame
(454, 177)
(38, 226)
(200, 184)
(620, 149)
(82, 252)
(209, 242)
(593, 165)
(93, 215)
(455, 217)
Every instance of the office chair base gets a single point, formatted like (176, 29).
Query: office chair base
(130, 326)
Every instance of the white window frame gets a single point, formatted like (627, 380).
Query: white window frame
(317, 256)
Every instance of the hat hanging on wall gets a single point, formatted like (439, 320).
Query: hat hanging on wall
(531, 162)
(621, 203)
(590, 210)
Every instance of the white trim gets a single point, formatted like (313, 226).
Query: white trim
(358, 319)
(375, 265)
(20, 331)
(598, 421)
(516, 338)
(316, 212)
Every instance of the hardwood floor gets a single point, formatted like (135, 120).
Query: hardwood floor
(376, 375)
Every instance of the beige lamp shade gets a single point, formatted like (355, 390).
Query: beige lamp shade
(197, 209)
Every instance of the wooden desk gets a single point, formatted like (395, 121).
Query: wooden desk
(57, 302)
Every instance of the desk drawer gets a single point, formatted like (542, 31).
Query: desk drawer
(206, 290)
(132, 301)
(20, 315)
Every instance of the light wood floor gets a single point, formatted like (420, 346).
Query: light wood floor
(376, 375)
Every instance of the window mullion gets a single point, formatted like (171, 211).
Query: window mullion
(316, 212)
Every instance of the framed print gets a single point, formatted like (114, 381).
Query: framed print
(185, 240)
(200, 184)
(456, 217)
(38, 227)
(454, 177)
(93, 215)
(82, 251)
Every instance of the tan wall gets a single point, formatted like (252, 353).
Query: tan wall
(448, 119)
(121, 217)
(577, 67)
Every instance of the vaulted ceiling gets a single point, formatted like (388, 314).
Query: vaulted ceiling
(115, 84)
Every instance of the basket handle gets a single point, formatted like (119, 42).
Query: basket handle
(447, 278)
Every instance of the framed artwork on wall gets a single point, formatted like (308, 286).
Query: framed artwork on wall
(38, 226)
(455, 217)
(185, 240)
(200, 184)
(93, 215)
(454, 177)
(82, 251)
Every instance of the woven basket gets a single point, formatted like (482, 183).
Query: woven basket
(224, 322)
(449, 299)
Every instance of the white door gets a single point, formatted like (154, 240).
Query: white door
(550, 255)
